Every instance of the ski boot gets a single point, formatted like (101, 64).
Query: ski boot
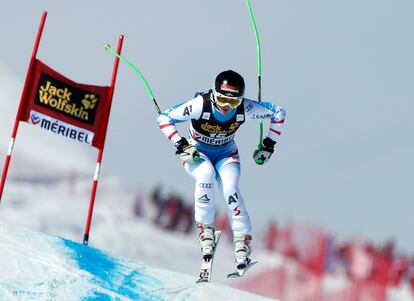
(242, 249)
(206, 239)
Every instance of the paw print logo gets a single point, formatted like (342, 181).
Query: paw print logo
(89, 101)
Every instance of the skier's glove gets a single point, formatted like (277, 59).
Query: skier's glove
(187, 152)
(262, 155)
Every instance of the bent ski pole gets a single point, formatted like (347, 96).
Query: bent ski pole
(259, 68)
(137, 72)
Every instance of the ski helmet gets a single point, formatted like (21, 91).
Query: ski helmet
(229, 83)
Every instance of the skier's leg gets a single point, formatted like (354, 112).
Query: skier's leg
(204, 174)
(204, 209)
(229, 173)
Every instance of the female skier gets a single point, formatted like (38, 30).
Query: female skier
(211, 154)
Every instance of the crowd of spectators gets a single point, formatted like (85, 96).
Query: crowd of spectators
(170, 211)
(359, 260)
(167, 211)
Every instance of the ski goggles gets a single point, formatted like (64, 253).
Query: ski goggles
(223, 100)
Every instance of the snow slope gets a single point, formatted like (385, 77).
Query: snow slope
(27, 259)
(37, 266)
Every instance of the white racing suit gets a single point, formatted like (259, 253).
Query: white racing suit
(212, 134)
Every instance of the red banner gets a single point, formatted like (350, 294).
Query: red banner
(55, 103)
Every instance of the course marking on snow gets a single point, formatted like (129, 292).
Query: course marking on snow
(110, 277)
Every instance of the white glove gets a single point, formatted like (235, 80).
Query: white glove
(263, 154)
(187, 152)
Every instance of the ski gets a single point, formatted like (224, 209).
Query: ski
(241, 269)
(207, 262)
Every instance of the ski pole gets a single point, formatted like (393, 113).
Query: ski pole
(137, 72)
(259, 69)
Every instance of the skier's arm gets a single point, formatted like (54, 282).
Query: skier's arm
(179, 113)
(266, 110)
(276, 114)
(277, 123)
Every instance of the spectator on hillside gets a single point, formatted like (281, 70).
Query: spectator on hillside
(399, 268)
(156, 204)
(137, 205)
(342, 258)
(361, 264)
(388, 249)
(187, 219)
(271, 236)
(410, 274)
(172, 211)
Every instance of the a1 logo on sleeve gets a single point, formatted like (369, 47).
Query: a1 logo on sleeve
(188, 110)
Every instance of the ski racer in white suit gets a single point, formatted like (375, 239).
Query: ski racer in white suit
(211, 154)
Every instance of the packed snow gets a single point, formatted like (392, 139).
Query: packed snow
(37, 266)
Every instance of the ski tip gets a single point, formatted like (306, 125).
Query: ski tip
(233, 275)
(241, 270)
(107, 46)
